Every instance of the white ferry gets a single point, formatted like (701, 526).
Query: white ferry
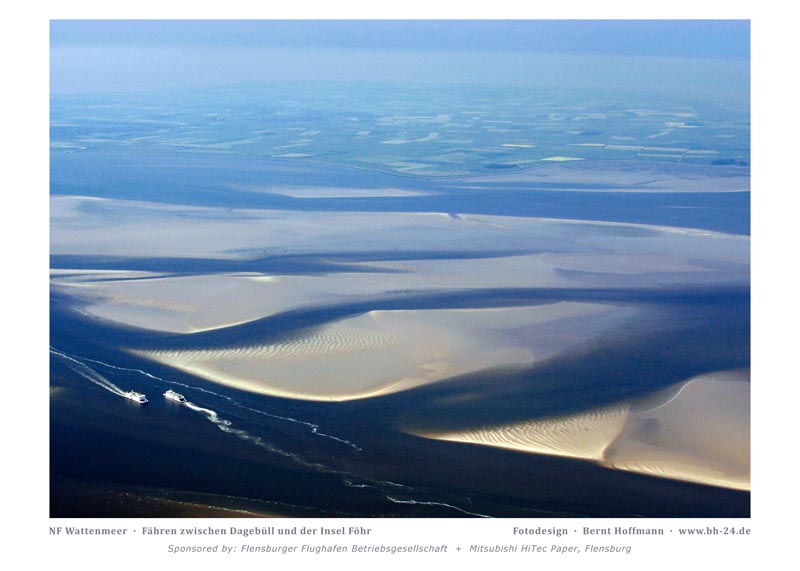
(136, 397)
(172, 395)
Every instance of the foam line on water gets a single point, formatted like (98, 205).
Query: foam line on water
(210, 414)
(380, 485)
(110, 366)
(314, 428)
(225, 426)
(440, 504)
(221, 423)
(88, 373)
(270, 503)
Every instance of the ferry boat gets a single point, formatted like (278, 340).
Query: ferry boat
(172, 395)
(136, 397)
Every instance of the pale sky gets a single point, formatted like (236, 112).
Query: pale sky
(655, 56)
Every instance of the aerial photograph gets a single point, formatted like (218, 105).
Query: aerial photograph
(399, 269)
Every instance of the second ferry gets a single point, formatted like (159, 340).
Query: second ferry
(136, 397)
(172, 395)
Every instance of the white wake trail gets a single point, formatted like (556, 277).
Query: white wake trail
(88, 373)
(225, 426)
(221, 423)
(314, 428)
(210, 414)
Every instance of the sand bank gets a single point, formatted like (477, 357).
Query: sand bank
(88, 227)
(192, 303)
(697, 431)
(628, 176)
(524, 253)
(329, 191)
(387, 351)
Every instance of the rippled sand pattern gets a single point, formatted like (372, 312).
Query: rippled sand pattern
(584, 435)
(321, 344)
(353, 358)
(700, 433)
(697, 431)
(386, 351)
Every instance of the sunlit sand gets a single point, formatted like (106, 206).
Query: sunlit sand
(630, 175)
(182, 304)
(697, 431)
(623, 255)
(329, 191)
(386, 351)
(187, 304)
(141, 229)
(700, 434)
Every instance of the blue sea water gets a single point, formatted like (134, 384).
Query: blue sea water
(353, 459)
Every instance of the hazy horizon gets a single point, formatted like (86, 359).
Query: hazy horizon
(710, 58)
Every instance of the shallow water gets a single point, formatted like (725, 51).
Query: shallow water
(213, 181)
(293, 457)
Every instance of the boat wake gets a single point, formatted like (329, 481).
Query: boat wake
(348, 479)
(313, 428)
(210, 414)
(225, 426)
(88, 373)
